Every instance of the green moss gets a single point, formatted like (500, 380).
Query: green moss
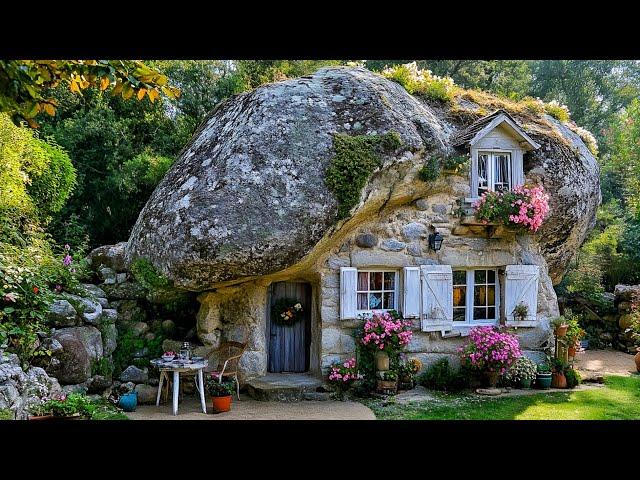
(102, 367)
(356, 157)
(146, 274)
(431, 170)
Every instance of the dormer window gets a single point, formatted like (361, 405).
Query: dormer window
(494, 171)
(496, 144)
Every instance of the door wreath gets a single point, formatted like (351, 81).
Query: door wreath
(286, 311)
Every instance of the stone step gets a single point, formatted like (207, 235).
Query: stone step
(286, 387)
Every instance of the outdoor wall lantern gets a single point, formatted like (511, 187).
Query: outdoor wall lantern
(435, 241)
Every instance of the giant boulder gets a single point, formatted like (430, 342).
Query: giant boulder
(248, 196)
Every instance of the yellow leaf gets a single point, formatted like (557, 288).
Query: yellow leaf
(141, 93)
(153, 95)
(74, 87)
(50, 109)
(117, 89)
(104, 83)
(127, 92)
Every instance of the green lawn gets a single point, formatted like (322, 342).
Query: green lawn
(618, 399)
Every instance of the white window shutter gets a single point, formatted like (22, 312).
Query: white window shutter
(521, 285)
(474, 173)
(517, 169)
(437, 297)
(411, 292)
(348, 293)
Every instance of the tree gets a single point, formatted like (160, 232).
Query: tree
(23, 83)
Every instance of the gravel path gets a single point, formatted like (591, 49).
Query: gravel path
(249, 409)
(593, 364)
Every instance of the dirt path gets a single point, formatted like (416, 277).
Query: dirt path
(249, 409)
(593, 364)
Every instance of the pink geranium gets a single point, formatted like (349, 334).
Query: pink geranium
(383, 332)
(522, 206)
(343, 374)
(490, 350)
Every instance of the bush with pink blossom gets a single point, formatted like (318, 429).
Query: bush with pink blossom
(525, 207)
(384, 332)
(489, 350)
(343, 374)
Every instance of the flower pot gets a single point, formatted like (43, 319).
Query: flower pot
(128, 402)
(490, 379)
(572, 351)
(525, 383)
(41, 417)
(558, 380)
(561, 331)
(382, 361)
(221, 404)
(543, 380)
(637, 359)
(387, 386)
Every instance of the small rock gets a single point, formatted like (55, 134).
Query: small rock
(93, 290)
(366, 240)
(108, 275)
(414, 249)
(134, 374)
(625, 321)
(121, 277)
(80, 388)
(413, 231)
(126, 387)
(109, 315)
(392, 245)
(99, 383)
(439, 208)
(104, 303)
(146, 394)
(62, 313)
(489, 391)
(422, 204)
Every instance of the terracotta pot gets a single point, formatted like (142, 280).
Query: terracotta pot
(490, 379)
(561, 331)
(221, 404)
(382, 361)
(572, 351)
(41, 417)
(387, 386)
(637, 359)
(558, 380)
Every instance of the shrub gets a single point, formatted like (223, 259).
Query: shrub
(6, 414)
(557, 111)
(385, 333)
(421, 82)
(522, 369)
(103, 367)
(573, 378)
(456, 163)
(489, 350)
(431, 170)
(523, 207)
(342, 375)
(440, 376)
(215, 388)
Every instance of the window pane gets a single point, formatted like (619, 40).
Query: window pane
(481, 276)
(482, 173)
(491, 276)
(375, 280)
(459, 296)
(502, 172)
(491, 313)
(389, 300)
(480, 295)
(459, 314)
(389, 280)
(363, 281)
(491, 295)
(362, 301)
(459, 277)
(479, 313)
(375, 301)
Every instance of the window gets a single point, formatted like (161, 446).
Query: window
(475, 296)
(494, 171)
(377, 290)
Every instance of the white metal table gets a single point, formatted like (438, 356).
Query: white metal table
(178, 366)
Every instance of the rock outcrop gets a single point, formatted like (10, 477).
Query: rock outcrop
(248, 196)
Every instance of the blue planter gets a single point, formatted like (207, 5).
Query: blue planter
(128, 402)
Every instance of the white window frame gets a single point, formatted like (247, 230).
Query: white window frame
(469, 321)
(396, 289)
(491, 174)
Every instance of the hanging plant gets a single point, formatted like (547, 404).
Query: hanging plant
(286, 311)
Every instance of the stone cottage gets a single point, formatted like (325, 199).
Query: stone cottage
(245, 217)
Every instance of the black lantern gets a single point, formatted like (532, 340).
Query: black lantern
(435, 241)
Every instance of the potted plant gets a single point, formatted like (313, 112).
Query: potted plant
(558, 378)
(559, 326)
(543, 376)
(522, 373)
(342, 375)
(42, 411)
(520, 312)
(388, 383)
(573, 378)
(128, 401)
(221, 394)
(489, 352)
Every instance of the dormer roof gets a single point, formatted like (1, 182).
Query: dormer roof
(481, 127)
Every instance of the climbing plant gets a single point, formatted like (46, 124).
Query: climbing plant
(356, 157)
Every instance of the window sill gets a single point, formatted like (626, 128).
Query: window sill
(525, 324)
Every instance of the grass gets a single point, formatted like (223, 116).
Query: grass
(618, 399)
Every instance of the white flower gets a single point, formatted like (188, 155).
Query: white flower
(297, 306)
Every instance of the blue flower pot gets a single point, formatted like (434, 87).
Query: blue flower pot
(128, 402)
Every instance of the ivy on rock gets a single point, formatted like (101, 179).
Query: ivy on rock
(356, 157)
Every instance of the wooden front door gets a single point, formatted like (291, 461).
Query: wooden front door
(289, 344)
